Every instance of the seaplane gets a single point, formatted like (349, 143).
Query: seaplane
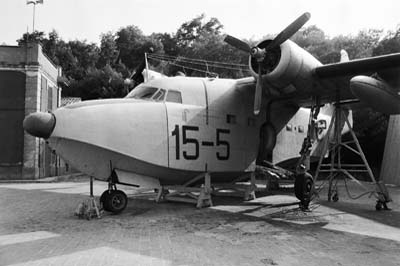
(196, 131)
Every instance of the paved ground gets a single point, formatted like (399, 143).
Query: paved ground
(38, 227)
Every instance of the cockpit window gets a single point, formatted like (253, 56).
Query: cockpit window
(174, 96)
(142, 92)
(159, 95)
(155, 94)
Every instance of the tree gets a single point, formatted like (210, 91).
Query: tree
(201, 39)
(314, 40)
(191, 30)
(36, 36)
(98, 83)
(50, 45)
(169, 43)
(129, 41)
(389, 44)
(108, 49)
(132, 44)
(359, 46)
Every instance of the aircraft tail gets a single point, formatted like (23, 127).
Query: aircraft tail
(324, 120)
(328, 110)
(344, 56)
(151, 74)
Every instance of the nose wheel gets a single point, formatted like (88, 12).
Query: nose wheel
(114, 201)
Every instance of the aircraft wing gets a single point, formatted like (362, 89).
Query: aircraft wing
(359, 66)
(375, 81)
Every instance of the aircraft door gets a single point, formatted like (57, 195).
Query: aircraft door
(226, 124)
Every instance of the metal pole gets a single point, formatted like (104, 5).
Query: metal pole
(147, 67)
(33, 23)
(91, 186)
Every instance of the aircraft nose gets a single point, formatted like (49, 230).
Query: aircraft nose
(40, 124)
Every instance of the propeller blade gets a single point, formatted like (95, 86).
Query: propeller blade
(289, 31)
(258, 92)
(239, 44)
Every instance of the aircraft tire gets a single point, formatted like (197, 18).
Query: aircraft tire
(115, 201)
(103, 199)
(303, 187)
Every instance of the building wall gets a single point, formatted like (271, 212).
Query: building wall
(12, 55)
(390, 171)
(12, 105)
(28, 83)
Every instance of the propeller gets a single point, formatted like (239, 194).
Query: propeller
(239, 44)
(258, 93)
(260, 52)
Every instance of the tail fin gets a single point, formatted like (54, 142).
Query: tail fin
(324, 120)
(328, 110)
(344, 56)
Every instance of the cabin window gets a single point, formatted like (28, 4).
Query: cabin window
(321, 124)
(174, 96)
(289, 127)
(301, 129)
(231, 119)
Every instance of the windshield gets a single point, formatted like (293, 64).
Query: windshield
(145, 92)
(142, 92)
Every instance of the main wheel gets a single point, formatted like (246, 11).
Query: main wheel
(103, 199)
(303, 187)
(115, 201)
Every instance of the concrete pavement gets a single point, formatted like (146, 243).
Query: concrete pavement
(38, 227)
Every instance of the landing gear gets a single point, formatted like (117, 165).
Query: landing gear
(113, 200)
(303, 189)
(381, 205)
(304, 182)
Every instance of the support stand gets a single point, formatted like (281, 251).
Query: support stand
(247, 191)
(88, 209)
(333, 143)
(201, 196)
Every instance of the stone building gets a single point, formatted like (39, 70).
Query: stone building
(390, 171)
(28, 83)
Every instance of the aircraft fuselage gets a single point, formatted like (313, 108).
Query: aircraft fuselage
(209, 128)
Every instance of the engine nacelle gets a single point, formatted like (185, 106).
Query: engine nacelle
(377, 94)
(286, 68)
